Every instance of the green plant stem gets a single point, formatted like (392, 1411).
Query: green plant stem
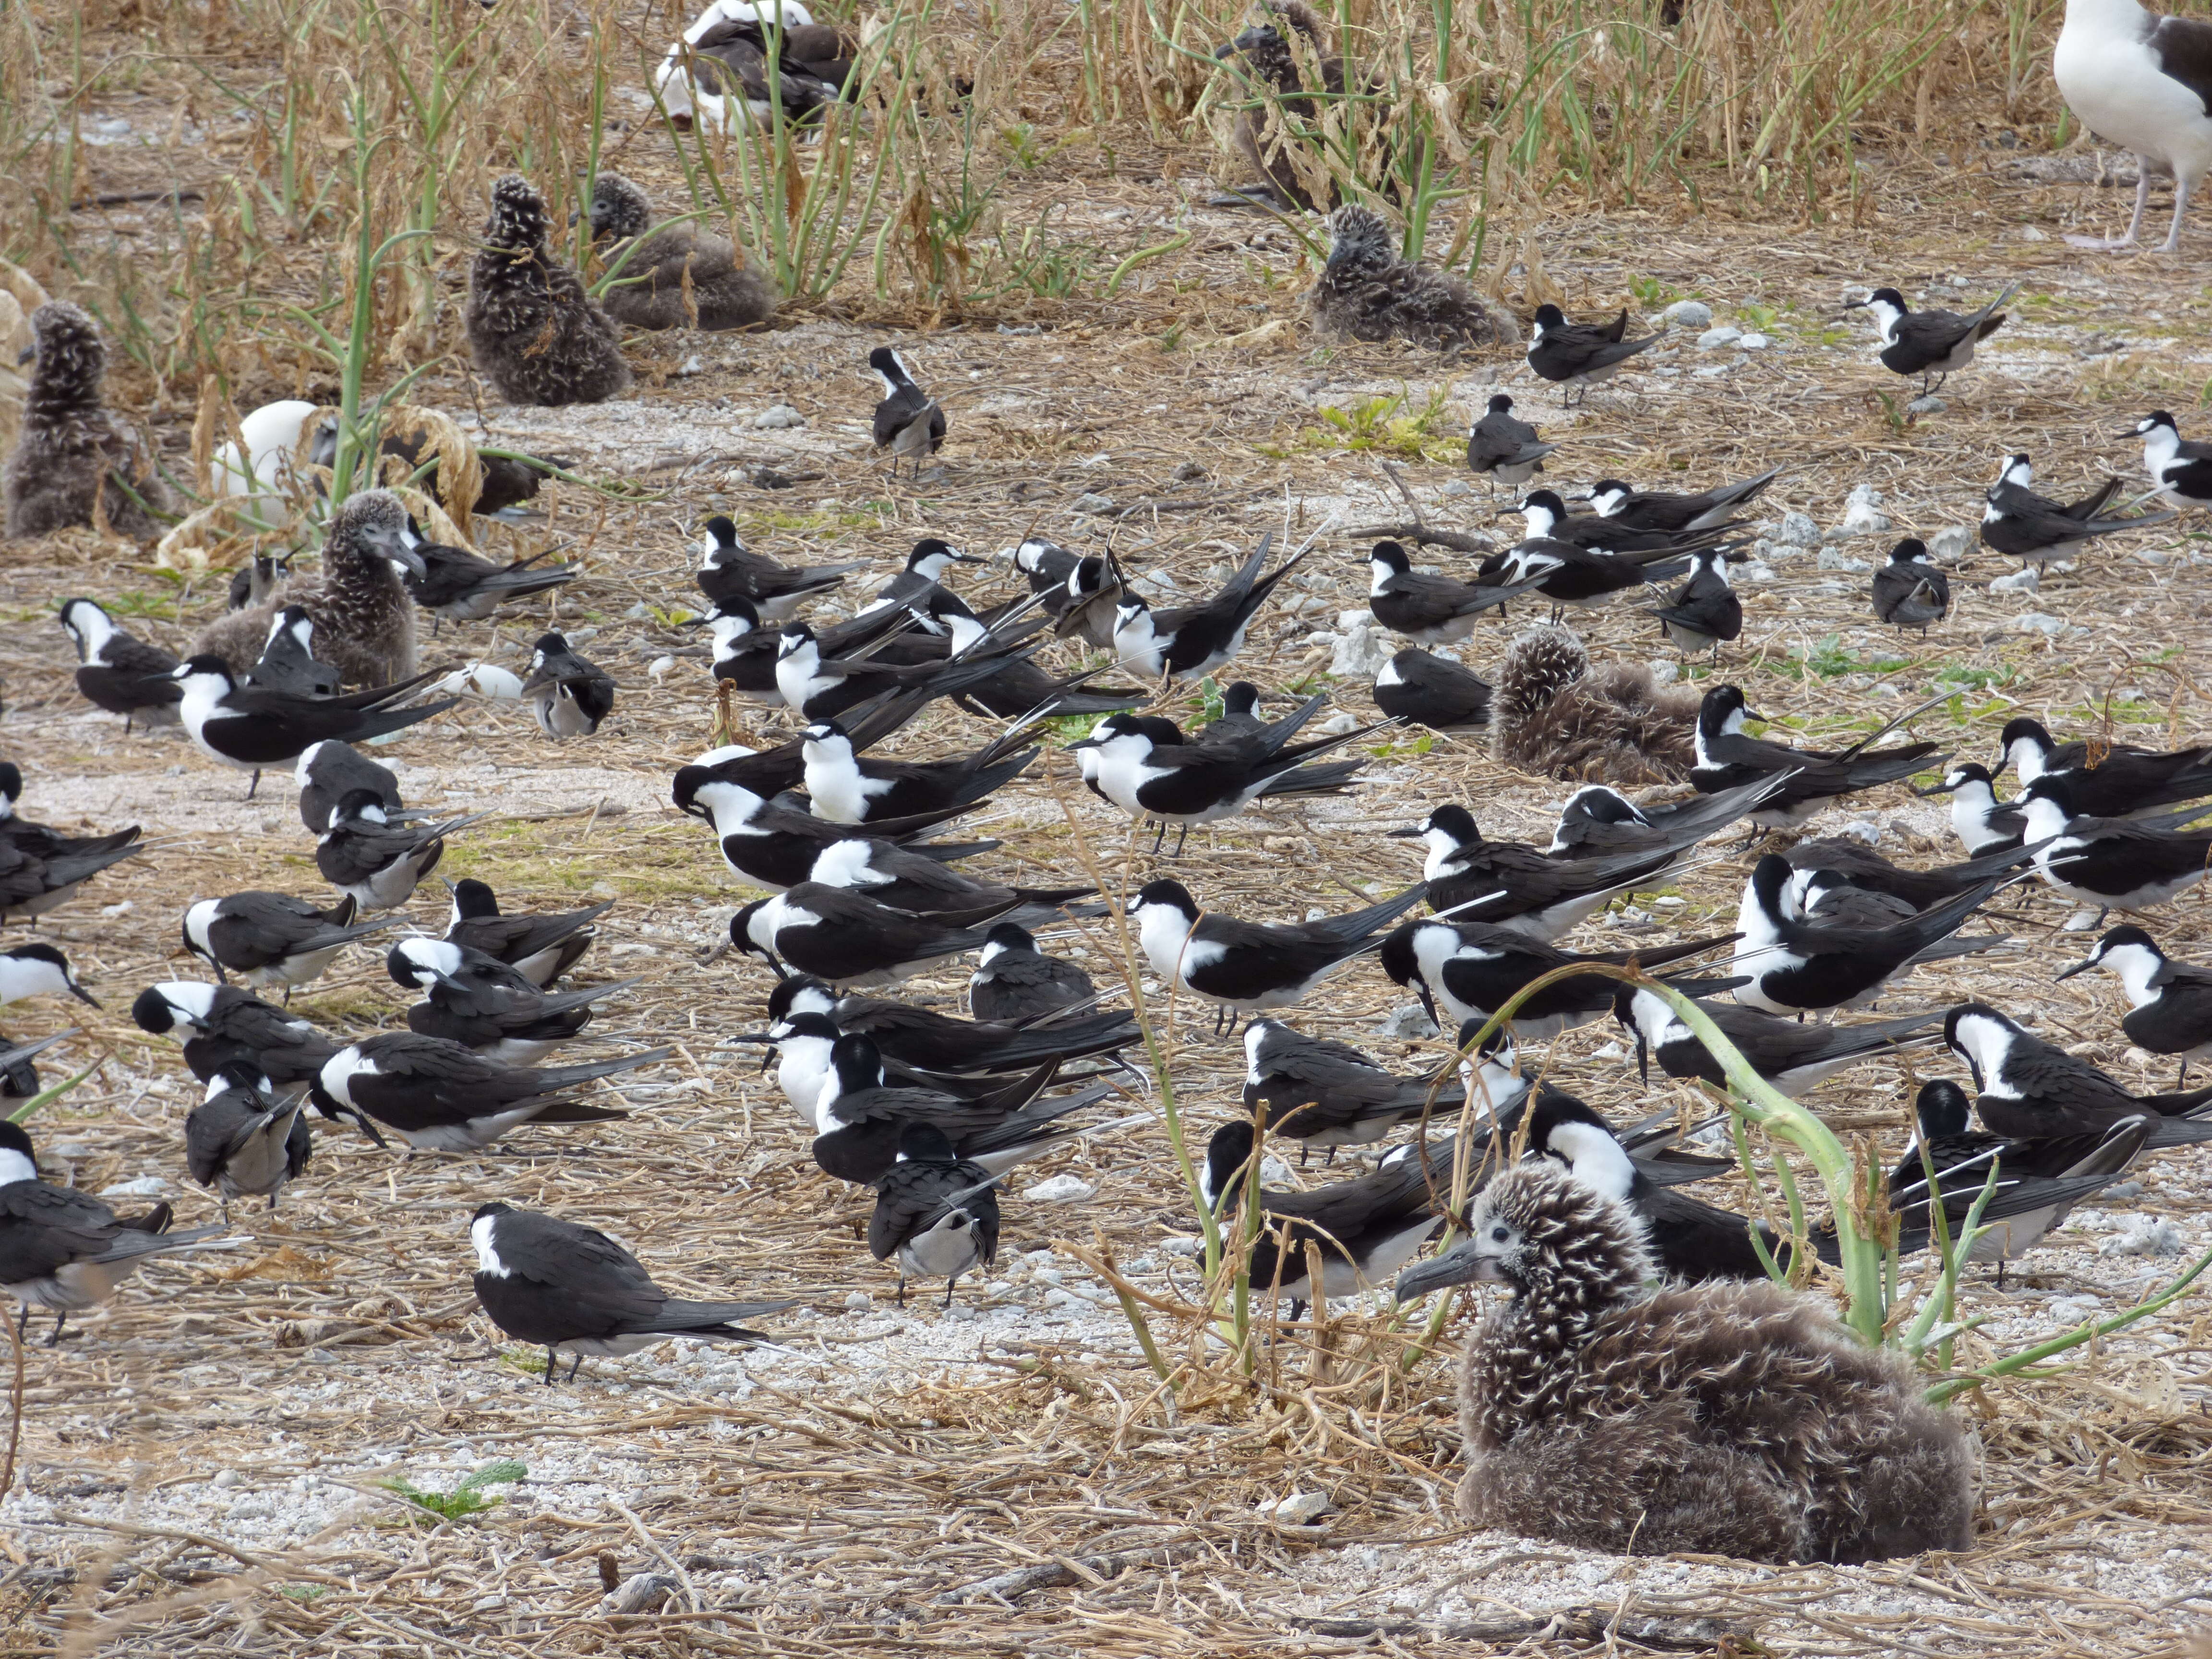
(2088, 1331)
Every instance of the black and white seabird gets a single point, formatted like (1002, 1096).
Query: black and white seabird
(2107, 780)
(1796, 966)
(1909, 591)
(1503, 448)
(862, 1114)
(908, 421)
(1016, 687)
(482, 1002)
(1467, 970)
(288, 661)
(1190, 641)
(19, 1076)
(252, 730)
(541, 947)
(931, 1042)
(1090, 606)
(847, 787)
(935, 1212)
(1195, 783)
(457, 585)
(1818, 778)
(242, 1140)
(2038, 1180)
(1422, 689)
(1704, 614)
(219, 1025)
(119, 672)
(2180, 467)
(745, 652)
(1045, 564)
(1327, 1094)
(38, 970)
(1545, 518)
(569, 695)
(1983, 823)
(1579, 355)
(328, 772)
(42, 840)
(1366, 1229)
(2143, 83)
(1791, 1054)
(729, 570)
(549, 1282)
(922, 886)
(440, 1097)
(1933, 345)
(2115, 864)
(2169, 1002)
(820, 686)
(774, 846)
(2031, 1088)
(2036, 530)
(924, 570)
(40, 868)
(64, 1250)
(1244, 966)
(272, 938)
(846, 938)
(375, 862)
(1854, 861)
(1430, 609)
(1567, 574)
(1598, 821)
(1016, 983)
(1675, 515)
(1512, 886)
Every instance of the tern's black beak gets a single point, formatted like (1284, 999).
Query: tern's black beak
(1642, 1060)
(82, 994)
(1932, 790)
(1414, 834)
(2082, 967)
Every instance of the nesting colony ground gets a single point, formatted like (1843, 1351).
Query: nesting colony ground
(203, 1465)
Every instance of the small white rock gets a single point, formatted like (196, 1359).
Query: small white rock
(2082, 921)
(2144, 1235)
(1863, 514)
(1753, 342)
(2039, 622)
(658, 669)
(1664, 672)
(1411, 1021)
(859, 1301)
(2026, 579)
(1714, 339)
(1362, 654)
(778, 416)
(150, 1185)
(1951, 546)
(1060, 1190)
(1337, 725)
(1687, 313)
(1299, 1509)
(1832, 560)
(1093, 503)
(1797, 530)
(1930, 404)
(224, 1479)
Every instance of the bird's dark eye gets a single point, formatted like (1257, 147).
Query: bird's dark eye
(1499, 1234)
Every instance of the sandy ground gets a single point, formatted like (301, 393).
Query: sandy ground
(199, 1462)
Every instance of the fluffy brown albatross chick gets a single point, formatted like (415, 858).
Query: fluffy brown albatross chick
(72, 452)
(1366, 292)
(1723, 1418)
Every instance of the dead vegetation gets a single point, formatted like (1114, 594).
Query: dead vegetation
(1025, 1483)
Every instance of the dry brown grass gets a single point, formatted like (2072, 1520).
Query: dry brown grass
(818, 1516)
